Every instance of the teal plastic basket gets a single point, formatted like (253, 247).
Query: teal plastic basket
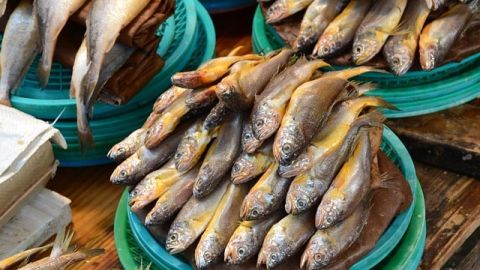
(108, 131)
(391, 145)
(415, 93)
(221, 6)
(176, 49)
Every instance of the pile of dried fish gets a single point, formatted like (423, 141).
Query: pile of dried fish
(35, 27)
(329, 27)
(299, 169)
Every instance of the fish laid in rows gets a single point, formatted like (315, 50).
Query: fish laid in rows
(167, 121)
(153, 186)
(340, 32)
(438, 36)
(220, 156)
(114, 60)
(114, 16)
(216, 116)
(228, 90)
(192, 146)
(193, 219)
(52, 15)
(20, 44)
(247, 239)
(248, 166)
(173, 199)
(282, 9)
(249, 143)
(266, 196)
(127, 146)
(145, 160)
(400, 50)
(285, 238)
(381, 21)
(326, 244)
(209, 72)
(270, 106)
(307, 188)
(349, 187)
(211, 246)
(318, 16)
(309, 107)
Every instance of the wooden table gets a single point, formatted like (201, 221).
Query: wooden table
(452, 200)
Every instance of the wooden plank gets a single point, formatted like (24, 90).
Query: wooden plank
(453, 206)
(448, 139)
(467, 256)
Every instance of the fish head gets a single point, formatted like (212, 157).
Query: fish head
(399, 58)
(328, 44)
(276, 12)
(314, 257)
(299, 198)
(289, 144)
(365, 47)
(249, 142)
(240, 248)
(255, 206)
(327, 215)
(127, 172)
(120, 151)
(243, 169)
(429, 56)
(203, 184)
(179, 237)
(185, 153)
(275, 252)
(298, 166)
(306, 38)
(265, 122)
(207, 251)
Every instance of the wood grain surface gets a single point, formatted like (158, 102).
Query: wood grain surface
(452, 200)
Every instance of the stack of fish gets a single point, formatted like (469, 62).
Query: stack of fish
(35, 27)
(298, 169)
(396, 26)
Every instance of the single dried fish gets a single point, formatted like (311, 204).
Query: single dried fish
(282, 9)
(248, 166)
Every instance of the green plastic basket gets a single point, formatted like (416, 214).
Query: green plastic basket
(415, 93)
(108, 131)
(406, 255)
(391, 146)
(176, 49)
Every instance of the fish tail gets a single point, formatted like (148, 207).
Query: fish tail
(45, 66)
(85, 136)
(89, 82)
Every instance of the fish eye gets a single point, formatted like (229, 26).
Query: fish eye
(325, 49)
(396, 61)
(241, 251)
(301, 203)
(259, 123)
(236, 167)
(123, 173)
(318, 257)
(178, 155)
(358, 49)
(173, 237)
(254, 212)
(121, 149)
(273, 257)
(329, 219)
(207, 256)
(248, 136)
(287, 148)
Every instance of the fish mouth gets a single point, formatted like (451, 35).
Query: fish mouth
(119, 176)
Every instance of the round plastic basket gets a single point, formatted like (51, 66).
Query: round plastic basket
(220, 6)
(108, 131)
(175, 49)
(389, 240)
(415, 93)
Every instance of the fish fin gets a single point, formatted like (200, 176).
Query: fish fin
(399, 30)
(61, 243)
(361, 88)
